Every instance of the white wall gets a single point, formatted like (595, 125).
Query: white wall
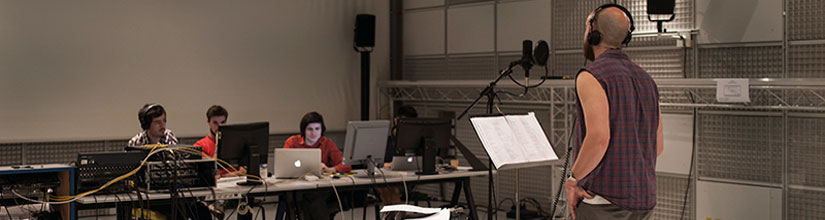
(72, 70)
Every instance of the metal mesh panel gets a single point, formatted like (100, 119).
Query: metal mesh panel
(59, 152)
(652, 41)
(670, 197)
(482, 67)
(806, 204)
(425, 68)
(674, 95)
(805, 61)
(188, 140)
(741, 62)
(456, 2)
(806, 148)
(805, 20)
(567, 64)
(116, 145)
(569, 17)
(683, 11)
(737, 147)
(661, 63)
(12, 154)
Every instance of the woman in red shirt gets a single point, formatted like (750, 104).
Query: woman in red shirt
(312, 136)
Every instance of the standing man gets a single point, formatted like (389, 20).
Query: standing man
(152, 119)
(619, 133)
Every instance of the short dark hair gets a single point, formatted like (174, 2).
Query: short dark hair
(406, 111)
(216, 110)
(149, 112)
(312, 117)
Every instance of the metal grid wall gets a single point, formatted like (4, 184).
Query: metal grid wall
(59, 152)
(805, 61)
(12, 154)
(736, 147)
(670, 197)
(422, 68)
(805, 204)
(741, 62)
(663, 63)
(805, 20)
(471, 67)
(569, 17)
(806, 150)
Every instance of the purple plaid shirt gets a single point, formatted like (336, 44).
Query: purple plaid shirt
(626, 176)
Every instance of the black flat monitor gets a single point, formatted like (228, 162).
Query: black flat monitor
(244, 145)
(425, 137)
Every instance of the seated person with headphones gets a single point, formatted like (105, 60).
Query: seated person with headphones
(152, 119)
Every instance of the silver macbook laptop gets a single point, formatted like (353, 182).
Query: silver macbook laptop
(295, 162)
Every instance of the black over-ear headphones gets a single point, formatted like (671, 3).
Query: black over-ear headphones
(143, 117)
(595, 37)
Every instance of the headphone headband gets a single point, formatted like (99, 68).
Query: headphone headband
(143, 114)
(594, 37)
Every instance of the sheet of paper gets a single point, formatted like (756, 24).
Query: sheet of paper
(733, 90)
(411, 208)
(528, 131)
(444, 214)
(498, 139)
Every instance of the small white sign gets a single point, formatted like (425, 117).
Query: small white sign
(732, 90)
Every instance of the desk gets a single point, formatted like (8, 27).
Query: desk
(227, 188)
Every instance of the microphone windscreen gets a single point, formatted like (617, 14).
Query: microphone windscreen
(541, 53)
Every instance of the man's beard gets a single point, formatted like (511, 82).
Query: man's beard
(588, 52)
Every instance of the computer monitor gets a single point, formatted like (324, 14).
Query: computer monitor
(423, 136)
(366, 142)
(244, 145)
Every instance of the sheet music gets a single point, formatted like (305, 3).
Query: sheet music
(513, 139)
(528, 131)
(498, 139)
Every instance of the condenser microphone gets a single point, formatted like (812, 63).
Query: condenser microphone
(526, 57)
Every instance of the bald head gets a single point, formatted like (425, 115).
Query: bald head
(613, 25)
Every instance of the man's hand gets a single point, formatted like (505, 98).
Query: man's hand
(327, 169)
(574, 195)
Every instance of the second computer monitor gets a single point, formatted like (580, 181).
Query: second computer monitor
(414, 133)
(366, 142)
(244, 145)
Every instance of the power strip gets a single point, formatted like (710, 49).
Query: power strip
(222, 196)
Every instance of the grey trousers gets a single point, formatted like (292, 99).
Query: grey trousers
(598, 212)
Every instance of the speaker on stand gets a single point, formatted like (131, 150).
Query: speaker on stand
(364, 42)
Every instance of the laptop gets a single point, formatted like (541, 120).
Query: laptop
(295, 162)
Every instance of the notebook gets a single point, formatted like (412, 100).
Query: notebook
(295, 162)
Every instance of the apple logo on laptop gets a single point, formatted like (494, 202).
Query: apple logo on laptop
(298, 163)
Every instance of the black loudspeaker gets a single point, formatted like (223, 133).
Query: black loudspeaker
(660, 7)
(365, 30)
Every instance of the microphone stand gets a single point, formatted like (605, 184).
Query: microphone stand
(491, 95)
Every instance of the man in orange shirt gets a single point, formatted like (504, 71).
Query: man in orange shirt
(215, 117)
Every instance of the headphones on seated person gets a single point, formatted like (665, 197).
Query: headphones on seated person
(594, 37)
(143, 117)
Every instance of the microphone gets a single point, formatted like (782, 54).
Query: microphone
(527, 57)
